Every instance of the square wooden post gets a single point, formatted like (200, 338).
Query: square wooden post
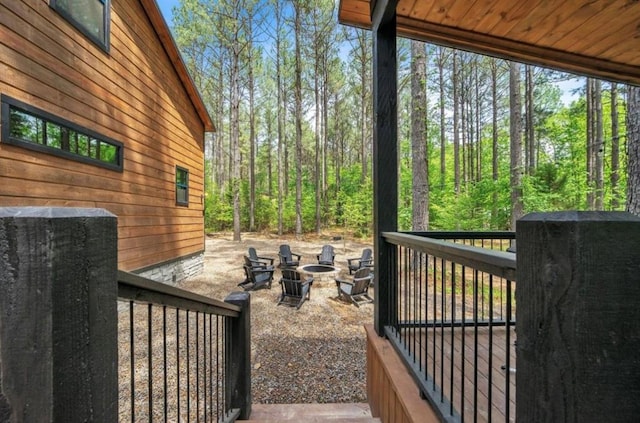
(578, 317)
(238, 347)
(58, 316)
(385, 156)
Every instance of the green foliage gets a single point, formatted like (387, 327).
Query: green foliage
(354, 202)
(547, 189)
(218, 211)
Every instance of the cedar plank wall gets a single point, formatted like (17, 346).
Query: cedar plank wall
(132, 95)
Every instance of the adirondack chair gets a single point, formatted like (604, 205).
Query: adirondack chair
(259, 260)
(287, 257)
(356, 290)
(327, 255)
(295, 288)
(364, 260)
(256, 277)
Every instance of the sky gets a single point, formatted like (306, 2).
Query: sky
(165, 8)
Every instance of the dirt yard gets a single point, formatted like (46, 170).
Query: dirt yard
(316, 354)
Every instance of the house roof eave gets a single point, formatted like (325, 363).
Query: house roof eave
(171, 48)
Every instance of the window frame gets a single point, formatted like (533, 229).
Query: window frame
(185, 186)
(106, 23)
(47, 118)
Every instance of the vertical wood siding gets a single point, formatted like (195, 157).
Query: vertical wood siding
(131, 94)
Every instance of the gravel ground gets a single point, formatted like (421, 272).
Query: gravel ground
(316, 354)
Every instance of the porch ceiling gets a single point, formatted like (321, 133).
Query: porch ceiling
(593, 37)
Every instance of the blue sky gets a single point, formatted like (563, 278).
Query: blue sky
(165, 8)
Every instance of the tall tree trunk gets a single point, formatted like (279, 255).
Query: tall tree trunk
(325, 132)
(269, 123)
(281, 111)
(494, 137)
(615, 148)
(464, 176)
(456, 132)
(298, 111)
(235, 135)
(598, 145)
(252, 139)
(441, 62)
(219, 137)
(633, 148)
(478, 120)
(318, 164)
(531, 139)
(420, 215)
(515, 132)
(364, 67)
(590, 142)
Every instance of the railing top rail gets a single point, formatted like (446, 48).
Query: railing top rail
(140, 289)
(464, 234)
(498, 263)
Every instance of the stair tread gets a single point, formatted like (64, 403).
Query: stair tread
(315, 412)
(318, 420)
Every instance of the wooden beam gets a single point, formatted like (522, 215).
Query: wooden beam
(385, 153)
(518, 51)
(382, 12)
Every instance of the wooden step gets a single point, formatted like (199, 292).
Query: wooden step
(312, 413)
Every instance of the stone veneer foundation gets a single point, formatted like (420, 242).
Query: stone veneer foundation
(174, 271)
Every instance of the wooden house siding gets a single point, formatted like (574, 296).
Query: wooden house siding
(132, 94)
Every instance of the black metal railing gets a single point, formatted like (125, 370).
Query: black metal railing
(174, 356)
(452, 319)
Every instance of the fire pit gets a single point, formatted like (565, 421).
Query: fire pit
(320, 272)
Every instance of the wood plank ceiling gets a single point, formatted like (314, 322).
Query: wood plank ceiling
(591, 37)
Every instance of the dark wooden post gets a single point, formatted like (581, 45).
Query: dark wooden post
(385, 154)
(578, 324)
(58, 316)
(238, 350)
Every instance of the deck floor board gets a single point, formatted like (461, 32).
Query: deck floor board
(447, 369)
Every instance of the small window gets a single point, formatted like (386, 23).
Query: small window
(91, 17)
(182, 186)
(35, 129)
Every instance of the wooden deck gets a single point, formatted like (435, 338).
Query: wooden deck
(461, 359)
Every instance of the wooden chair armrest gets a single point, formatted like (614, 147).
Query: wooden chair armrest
(263, 270)
(258, 263)
(269, 259)
(342, 281)
(297, 255)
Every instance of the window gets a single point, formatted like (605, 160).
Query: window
(182, 186)
(91, 17)
(35, 129)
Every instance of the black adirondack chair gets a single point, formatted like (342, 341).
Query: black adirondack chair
(327, 255)
(295, 288)
(356, 290)
(256, 276)
(287, 260)
(259, 260)
(364, 260)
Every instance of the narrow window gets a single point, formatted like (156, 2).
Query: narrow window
(35, 129)
(182, 186)
(91, 17)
